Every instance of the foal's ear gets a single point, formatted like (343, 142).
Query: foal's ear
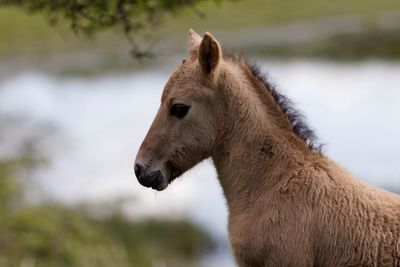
(209, 54)
(193, 43)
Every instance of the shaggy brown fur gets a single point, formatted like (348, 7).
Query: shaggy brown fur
(288, 204)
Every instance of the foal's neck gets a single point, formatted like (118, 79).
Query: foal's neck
(256, 147)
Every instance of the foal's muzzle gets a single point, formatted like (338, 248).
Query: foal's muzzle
(154, 179)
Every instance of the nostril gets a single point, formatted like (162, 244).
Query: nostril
(138, 170)
(153, 180)
(158, 177)
(156, 180)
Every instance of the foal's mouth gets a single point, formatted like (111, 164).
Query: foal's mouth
(174, 170)
(162, 184)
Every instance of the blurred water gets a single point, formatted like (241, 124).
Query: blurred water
(101, 121)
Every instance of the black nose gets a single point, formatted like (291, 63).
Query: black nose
(138, 170)
(153, 179)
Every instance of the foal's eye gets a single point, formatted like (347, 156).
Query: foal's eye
(179, 110)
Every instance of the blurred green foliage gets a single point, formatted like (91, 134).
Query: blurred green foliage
(50, 235)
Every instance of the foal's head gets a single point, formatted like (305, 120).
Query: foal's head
(185, 128)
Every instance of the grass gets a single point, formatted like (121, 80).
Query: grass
(30, 39)
(382, 44)
(22, 32)
(233, 15)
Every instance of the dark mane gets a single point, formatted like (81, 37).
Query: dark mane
(296, 118)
